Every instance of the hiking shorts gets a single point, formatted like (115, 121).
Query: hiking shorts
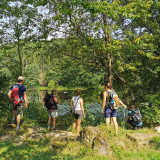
(108, 113)
(19, 108)
(52, 114)
(78, 114)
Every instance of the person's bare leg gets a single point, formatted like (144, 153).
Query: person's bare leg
(114, 119)
(49, 122)
(74, 125)
(13, 115)
(18, 120)
(78, 125)
(107, 123)
(54, 123)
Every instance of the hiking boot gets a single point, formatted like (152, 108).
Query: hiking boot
(13, 121)
(135, 128)
(52, 128)
(17, 128)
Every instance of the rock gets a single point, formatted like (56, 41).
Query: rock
(6, 137)
(87, 135)
(30, 130)
(50, 135)
(100, 144)
(42, 130)
(121, 143)
(19, 143)
(141, 138)
(62, 135)
(37, 136)
(157, 129)
(12, 125)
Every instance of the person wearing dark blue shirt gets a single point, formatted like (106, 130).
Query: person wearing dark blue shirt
(23, 101)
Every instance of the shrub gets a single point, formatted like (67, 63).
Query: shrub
(151, 113)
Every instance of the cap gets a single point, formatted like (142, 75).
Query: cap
(20, 78)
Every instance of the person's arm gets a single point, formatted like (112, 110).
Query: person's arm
(9, 94)
(129, 115)
(122, 104)
(82, 108)
(25, 98)
(104, 101)
(71, 103)
(56, 100)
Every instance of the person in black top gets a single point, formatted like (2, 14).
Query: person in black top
(52, 109)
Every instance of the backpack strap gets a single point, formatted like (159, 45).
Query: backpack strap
(76, 102)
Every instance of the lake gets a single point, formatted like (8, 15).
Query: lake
(92, 101)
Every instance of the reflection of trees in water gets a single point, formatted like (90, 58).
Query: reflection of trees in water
(65, 96)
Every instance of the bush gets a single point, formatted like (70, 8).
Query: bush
(151, 113)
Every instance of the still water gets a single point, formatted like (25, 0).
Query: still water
(92, 101)
(65, 96)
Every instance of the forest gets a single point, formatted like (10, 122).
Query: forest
(70, 44)
(83, 44)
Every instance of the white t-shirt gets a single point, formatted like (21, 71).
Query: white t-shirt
(76, 103)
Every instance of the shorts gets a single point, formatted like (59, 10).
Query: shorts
(19, 108)
(52, 114)
(78, 114)
(110, 113)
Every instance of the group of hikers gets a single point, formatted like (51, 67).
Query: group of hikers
(111, 101)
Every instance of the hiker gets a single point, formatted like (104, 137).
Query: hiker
(134, 118)
(77, 110)
(18, 98)
(110, 103)
(51, 105)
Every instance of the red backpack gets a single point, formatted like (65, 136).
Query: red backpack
(14, 99)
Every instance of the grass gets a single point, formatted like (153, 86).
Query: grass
(42, 149)
(156, 142)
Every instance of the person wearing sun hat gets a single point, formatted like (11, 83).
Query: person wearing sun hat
(21, 102)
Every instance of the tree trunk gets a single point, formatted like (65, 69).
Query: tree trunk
(20, 58)
(109, 55)
(110, 73)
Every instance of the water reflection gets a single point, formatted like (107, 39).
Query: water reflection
(65, 96)
(92, 101)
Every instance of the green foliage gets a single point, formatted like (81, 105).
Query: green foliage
(5, 77)
(51, 84)
(31, 74)
(151, 113)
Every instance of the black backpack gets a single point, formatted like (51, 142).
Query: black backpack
(49, 102)
(136, 116)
